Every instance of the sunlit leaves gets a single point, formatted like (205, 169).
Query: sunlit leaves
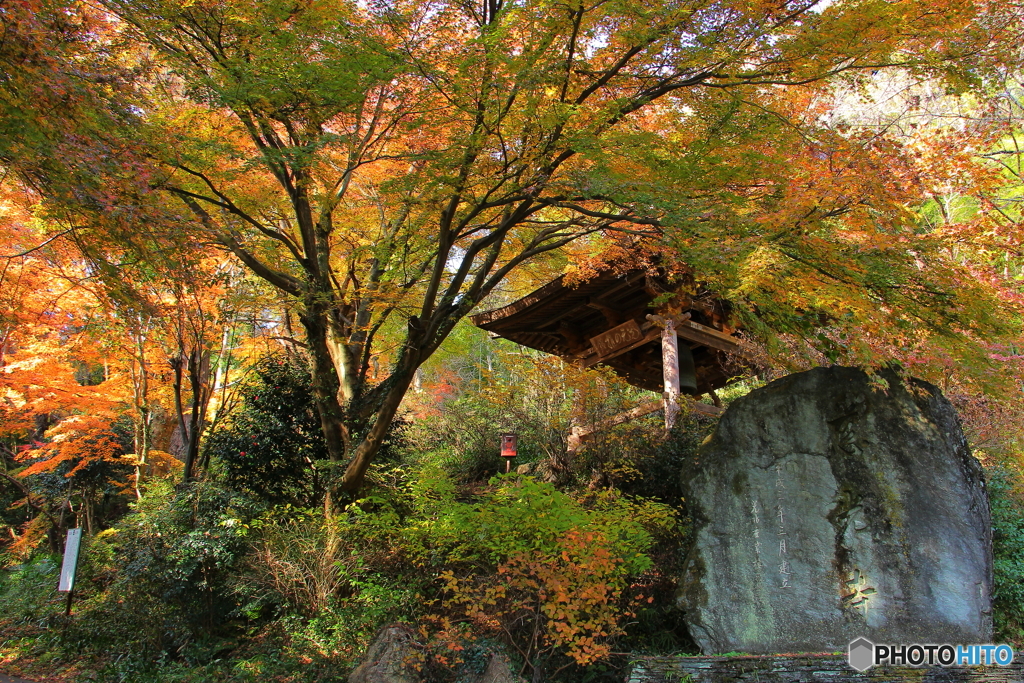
(387, 166)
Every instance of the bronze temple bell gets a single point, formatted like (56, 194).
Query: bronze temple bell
(687, 371)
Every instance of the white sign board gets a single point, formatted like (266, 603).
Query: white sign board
(67, 571)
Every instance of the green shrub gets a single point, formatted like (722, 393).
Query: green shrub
(541, 399)
(1006, 497)
(202, 584)
(28, 592)
(154, 587)
(335, 583)
(524, 562)
(270, 445)
(658, 463)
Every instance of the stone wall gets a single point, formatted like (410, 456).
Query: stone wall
(804, 669)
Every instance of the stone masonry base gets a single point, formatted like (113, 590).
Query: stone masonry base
(806, 669)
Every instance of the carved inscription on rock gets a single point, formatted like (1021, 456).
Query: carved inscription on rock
(826, 509)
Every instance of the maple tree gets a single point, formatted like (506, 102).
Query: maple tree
(976, 206)
(84, 349)
(87, 371)
(58, 393)
(405, 158)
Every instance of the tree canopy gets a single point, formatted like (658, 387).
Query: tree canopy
(386, 167)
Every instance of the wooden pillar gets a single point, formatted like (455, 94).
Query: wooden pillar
(670, 369)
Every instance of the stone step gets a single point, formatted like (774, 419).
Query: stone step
(806, 669)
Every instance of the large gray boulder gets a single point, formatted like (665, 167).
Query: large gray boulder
(827, 508)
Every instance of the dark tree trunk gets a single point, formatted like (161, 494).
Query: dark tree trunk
(325, 395)
(198, 365)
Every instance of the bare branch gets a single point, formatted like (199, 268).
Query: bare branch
(39, 246)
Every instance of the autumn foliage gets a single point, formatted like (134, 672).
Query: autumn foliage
(570, 599)
(239, 242)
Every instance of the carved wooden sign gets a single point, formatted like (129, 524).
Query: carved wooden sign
(617, 337)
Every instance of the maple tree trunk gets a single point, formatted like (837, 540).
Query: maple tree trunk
(220, 376)
(364, 453)
(143, 429)
(325, 396)
(336, 421)
(142, 439)
(177, 364)
(199, 377)
(87, 506)
(414, 351)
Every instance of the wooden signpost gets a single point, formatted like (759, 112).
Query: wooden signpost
(72, 548)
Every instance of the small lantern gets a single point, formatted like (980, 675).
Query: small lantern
(508, 449)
